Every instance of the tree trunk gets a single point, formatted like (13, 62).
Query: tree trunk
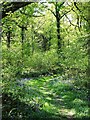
(8, 38)
(22, 39)
(8, 34)
(49, 41)
(44, 43)
(58, 29)
(12, 7)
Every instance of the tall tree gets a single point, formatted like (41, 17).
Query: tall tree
(58, 17)
(58, 7)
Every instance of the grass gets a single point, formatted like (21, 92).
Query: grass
(53, 98)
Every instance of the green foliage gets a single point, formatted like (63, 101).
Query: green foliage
(44, 95)
(56, 81)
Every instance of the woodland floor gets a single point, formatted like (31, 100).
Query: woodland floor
(50, 98)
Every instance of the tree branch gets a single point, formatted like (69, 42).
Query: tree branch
(49, 9)
(12, 7)
(70, 21)
(75, 4)
(64, 14)
(61, 4)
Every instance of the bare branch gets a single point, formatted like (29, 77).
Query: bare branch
(75, 4)
(70, 21)
(52, 12)
(65, 14)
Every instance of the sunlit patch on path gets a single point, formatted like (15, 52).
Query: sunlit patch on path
(56, 96)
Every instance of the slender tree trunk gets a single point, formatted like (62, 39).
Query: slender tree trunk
(58, 28)
(22, 40)
(49, 41)
(58, 33)
(8, 38)
(8, 34)
(44, 43)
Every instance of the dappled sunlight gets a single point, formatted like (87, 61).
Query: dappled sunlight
(67, 112)
(55, 96)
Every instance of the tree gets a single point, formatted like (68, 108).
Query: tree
(58, 7)
(8, 7)
(58, 17)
